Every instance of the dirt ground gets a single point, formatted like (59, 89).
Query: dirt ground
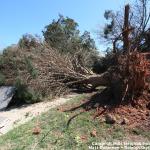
(17, 116)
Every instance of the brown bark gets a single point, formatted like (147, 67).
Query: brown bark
(126, 29)
(93, 81)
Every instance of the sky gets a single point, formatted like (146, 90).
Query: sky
(19, 17)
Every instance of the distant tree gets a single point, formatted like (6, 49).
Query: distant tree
(139, 18)
(87, 42)
(28, 41)
(63, 35)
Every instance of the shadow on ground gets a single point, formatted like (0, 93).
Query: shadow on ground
(102, 98)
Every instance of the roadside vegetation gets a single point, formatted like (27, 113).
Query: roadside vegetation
(56, 133)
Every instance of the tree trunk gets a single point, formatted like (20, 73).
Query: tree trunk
(126, 29)
(93, 81)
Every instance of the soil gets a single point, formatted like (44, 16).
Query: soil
(135, 115)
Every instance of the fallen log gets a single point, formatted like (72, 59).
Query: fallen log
(57, 74)
(93, 81)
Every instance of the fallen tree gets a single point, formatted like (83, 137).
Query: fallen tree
(128, 79)
(47, 72)
(42, 70)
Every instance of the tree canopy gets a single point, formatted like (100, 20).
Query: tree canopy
(139, 17)
(63, 34)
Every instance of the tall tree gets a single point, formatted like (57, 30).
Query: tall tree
(63, 35)
(139, 16)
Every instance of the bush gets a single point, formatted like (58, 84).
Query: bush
(99, 66)
(1, 60)
(103, 63)
(33, 72)
(24, 94)
(2, 79)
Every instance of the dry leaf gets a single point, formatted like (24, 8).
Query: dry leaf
(94, 133)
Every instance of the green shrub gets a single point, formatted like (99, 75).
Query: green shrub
(1, 60)
(33, 72)
(2, 79)
(24, 94)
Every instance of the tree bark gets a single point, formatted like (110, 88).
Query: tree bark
(93, 81)
(126, 45)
